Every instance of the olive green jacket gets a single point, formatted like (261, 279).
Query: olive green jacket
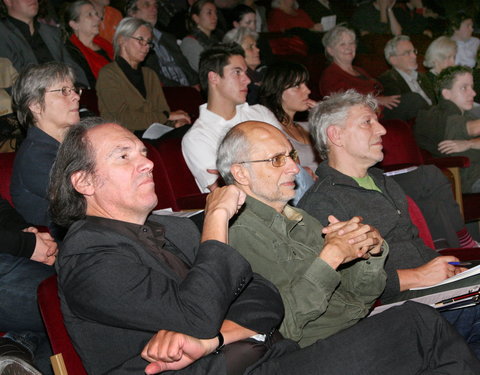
(319, 301)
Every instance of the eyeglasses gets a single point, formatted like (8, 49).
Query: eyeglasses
(66, 91)
(408, 52)
(142, 41)
(278, 160)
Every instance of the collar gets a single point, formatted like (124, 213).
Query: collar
(449, 106)
(268, 215)
(209, 116)
(408, 77)
(157, 34)
(324, 171)
(38, 134)
(22, 26)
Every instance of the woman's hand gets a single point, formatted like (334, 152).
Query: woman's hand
(180, 118)
(389, 101)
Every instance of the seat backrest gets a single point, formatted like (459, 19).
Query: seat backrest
(6, 168)
(185, 98)
(399, 145)
(49, 305)
(419, 221)
(89, 100)
(163, 188)
(186, 191)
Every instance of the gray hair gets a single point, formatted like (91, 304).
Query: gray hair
(234, 147)
(239, 34)
(75, 154)
(125, 29)
(333, 110)
(439, 50)
(31, 85)
(332, 37)
(391, 46)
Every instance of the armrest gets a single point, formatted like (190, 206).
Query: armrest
(449, 162)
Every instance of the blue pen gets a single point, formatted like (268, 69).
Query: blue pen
(469, 263)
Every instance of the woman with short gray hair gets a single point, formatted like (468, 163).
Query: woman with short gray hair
(46, 102)
(340, 47)
(128, 93)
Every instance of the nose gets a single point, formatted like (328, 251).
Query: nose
(245, 78)
(145, 165)
(380, 130)
(306, 89)
(75, 96)
(291, 167)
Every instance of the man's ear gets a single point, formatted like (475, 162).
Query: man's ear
(83, 182)
(334, 135)
(213, 77)
(447, 94)
(240, 174)
(72, 24)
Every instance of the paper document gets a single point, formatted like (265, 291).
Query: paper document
(430, 299)
(170, 212)
(460, 276)
(156, 130)
(329, 22)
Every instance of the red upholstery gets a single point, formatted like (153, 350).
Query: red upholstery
(49, 305)
(89, 100)
(6, 167)
(374, 64)
(183, 185)
(163, 188)
(418, 220)
(187, 99)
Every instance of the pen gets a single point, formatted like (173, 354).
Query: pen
(459, 305)
(460, 263)
(457, 298)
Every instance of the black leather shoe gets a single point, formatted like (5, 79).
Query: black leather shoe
(15, 359)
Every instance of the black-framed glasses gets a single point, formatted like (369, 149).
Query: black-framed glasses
(278, 160)
(408, 52)
(66, 91)
(142, 41)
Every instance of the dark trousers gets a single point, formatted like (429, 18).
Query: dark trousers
(409, 339)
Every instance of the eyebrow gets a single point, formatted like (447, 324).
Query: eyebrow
(118, 150)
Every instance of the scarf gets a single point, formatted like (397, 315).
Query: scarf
(95, 60)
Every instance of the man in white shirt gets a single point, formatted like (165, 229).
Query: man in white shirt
(222, 73)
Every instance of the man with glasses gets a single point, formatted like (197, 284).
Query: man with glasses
(165, 57)
(403, 79)
(327, 284)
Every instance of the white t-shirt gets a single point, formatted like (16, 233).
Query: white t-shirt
(200, 144)
(467, 52)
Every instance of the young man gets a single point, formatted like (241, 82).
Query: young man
(450, 127)
(349, 137)
(223, 75)
(124, 279)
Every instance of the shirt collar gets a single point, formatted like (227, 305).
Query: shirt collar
(408, 77)
(209, 116)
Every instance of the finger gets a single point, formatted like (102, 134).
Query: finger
(155, 368)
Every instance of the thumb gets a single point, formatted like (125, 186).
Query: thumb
(155, 367)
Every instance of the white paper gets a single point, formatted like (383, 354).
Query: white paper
(329, 22)
(170, 212)
(156, 130)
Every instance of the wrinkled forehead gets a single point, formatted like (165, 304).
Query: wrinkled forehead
(267, 140)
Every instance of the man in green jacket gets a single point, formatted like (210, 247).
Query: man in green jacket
(326, 284)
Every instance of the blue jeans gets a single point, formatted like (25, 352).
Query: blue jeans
(467, 323)
(19, 313)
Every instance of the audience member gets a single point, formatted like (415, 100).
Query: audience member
(8, 75)
(26, 41)
(284, 91)
(129, 92)
(248, 40)
(286, 246)
(201, 23)
(318, 9)
(404, 80)
(376, 17)
(223, 74)
(440, 54)
(449, 127)
(25, 259)
(244, 16)
(461, 29)
(340, 47)
(286, 16)
(347, 133)
(87, 48)
(415, 18)
(260, 13)
(110, 17)
(123, 278)
(165, 57)
(46, 101)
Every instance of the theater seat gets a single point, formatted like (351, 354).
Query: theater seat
(6, 168)
(49, 305)
(185, 98)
